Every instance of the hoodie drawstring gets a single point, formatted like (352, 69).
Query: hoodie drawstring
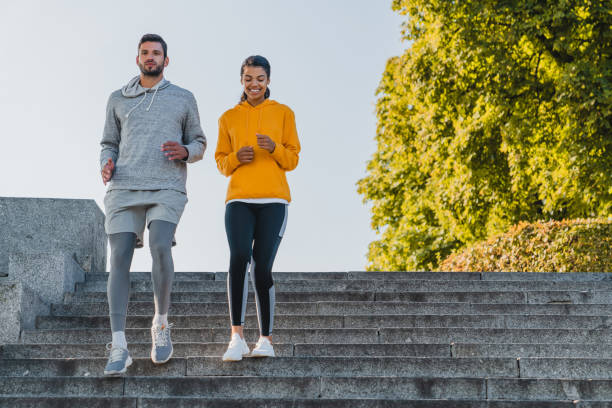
(152, 99)
(144, 96)
(127, 115)
(260, 114)
(259, 120)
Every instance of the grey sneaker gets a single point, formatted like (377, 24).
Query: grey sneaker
(161, 349)
(118, 361)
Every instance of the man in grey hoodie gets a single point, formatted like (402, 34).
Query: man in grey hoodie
(152, 131)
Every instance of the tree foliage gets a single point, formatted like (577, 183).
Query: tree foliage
(578, 245)
(498, 112)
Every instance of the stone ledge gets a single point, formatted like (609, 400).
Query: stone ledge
(50, 275)
(53, 225)
(19, 306)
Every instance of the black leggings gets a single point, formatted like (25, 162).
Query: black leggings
(254, 232)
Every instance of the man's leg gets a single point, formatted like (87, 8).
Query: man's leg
(118, 291)
(118, 288)
(161, 234)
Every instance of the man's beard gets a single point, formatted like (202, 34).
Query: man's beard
(154, 72)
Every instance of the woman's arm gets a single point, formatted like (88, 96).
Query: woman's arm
(225, 156)
(287, 152)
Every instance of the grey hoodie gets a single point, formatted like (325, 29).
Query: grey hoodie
(138, 122)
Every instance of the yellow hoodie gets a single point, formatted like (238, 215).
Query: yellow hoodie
(264, 177)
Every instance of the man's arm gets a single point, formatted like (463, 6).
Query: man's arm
(110, 139)
(193, 136)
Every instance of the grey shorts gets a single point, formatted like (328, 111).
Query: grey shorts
(132, 210)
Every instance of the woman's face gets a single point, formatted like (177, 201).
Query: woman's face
(255, 82)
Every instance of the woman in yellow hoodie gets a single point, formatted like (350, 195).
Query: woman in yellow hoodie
(257, 144)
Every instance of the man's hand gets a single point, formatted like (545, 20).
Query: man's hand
(246, 154)
(174, 151)
(265, 142)
(107, 171)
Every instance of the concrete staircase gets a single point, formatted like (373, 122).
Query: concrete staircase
(343, 339)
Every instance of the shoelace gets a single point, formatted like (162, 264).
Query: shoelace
(235, 341)
(261, 342)
(161, 335)
(116, 353)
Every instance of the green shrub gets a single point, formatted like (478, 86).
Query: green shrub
(580, 245)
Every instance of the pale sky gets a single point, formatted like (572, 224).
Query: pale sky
(62, 59)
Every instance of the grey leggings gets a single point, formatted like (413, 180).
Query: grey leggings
(122, 246)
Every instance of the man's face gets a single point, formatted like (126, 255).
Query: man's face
(151, 59)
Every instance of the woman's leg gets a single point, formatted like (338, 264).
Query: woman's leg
(239, 226)
(269, 229)
(118, 287)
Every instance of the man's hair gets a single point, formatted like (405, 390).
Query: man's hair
(154, 38)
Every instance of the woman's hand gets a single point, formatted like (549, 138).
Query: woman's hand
(265, 142)
(246, 154)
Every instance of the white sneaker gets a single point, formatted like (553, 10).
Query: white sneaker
(263, 348)
(237, 349)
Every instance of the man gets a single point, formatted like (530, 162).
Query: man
(152, 131)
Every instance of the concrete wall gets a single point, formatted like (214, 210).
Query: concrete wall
(53, 225)
(19, 307)
(46, 247)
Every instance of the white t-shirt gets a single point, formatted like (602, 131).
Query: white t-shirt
(259, 200)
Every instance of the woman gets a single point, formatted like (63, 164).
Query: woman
(257, 144)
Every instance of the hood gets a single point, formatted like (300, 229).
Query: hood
(134, 89)
(247, 106)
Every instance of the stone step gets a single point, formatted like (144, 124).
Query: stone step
(203, 402)
(287, 276)
(524, 350)
(505, 276)
(21, 351)
(343, 308)
(203, 335)
(296, 367)
(528, 350)
(554, 276)
(314, 387)
(212, 321)
(350, 321)
(570, 368)
(339, 335)
(479, 321)
(531, 297)
(217, 349)
(547, 389)
(86, 297)
(253, 387)
(479, 335)
(366, 285)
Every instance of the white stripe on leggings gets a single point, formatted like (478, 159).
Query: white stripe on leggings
(282, 230)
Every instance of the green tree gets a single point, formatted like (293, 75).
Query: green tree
(497, 112)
